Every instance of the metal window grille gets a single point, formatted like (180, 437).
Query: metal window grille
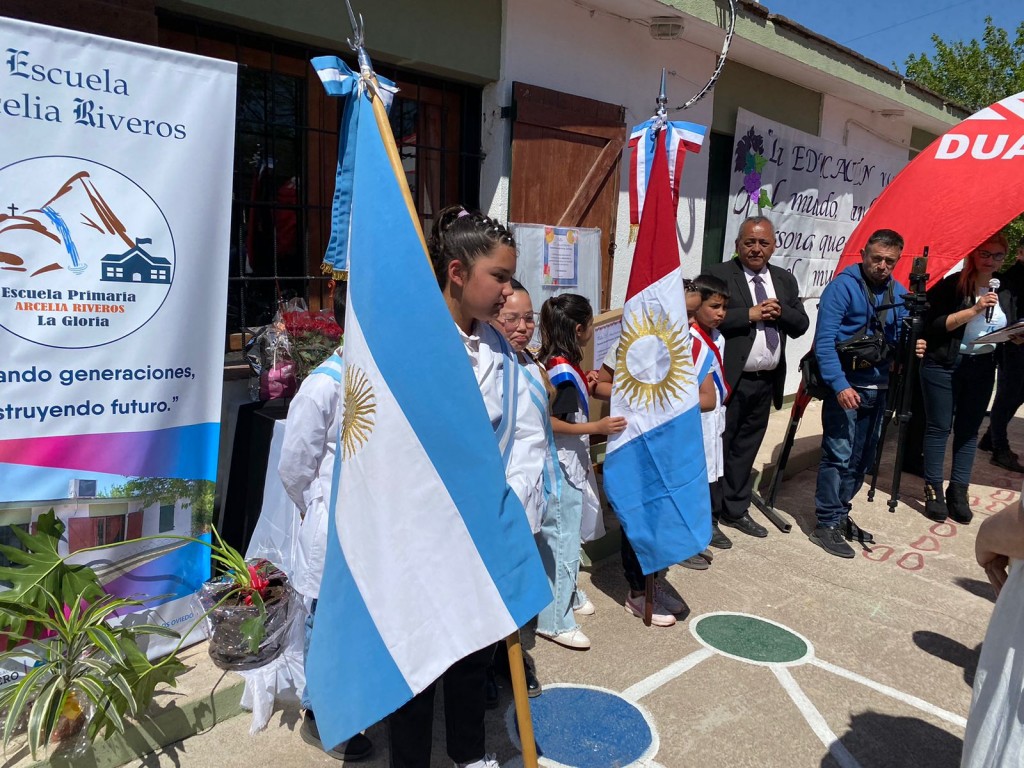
(285, 160)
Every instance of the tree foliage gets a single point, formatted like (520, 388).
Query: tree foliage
(975, 74)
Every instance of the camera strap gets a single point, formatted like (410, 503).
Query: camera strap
(874, 309)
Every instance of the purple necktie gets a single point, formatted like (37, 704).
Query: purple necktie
(771, 333)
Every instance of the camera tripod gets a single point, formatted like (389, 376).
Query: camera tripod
(902, 379)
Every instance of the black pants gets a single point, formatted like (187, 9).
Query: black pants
(1009, 393)
(715, 489)
(746, 421)
(410, 729)
(631, 565)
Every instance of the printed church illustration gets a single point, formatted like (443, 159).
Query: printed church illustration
(136, 266)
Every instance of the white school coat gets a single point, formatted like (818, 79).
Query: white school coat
(524, 472)
(306, 467)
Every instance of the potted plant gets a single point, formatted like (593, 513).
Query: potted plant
(84, 677)
(247, 608)
(83, 674)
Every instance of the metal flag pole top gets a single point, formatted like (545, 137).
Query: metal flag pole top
(369, 81)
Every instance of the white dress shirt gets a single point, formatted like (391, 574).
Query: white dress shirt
(760, 357)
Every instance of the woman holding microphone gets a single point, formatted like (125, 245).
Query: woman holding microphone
(958, 373)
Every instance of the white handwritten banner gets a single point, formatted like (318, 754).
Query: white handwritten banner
(814, 192)
(115, 194)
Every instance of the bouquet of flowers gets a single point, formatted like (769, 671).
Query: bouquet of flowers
(312, 336)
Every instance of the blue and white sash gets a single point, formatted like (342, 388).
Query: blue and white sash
(332, 367)
(506, 428)
(552, 473)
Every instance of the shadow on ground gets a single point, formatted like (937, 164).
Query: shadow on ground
(885, 741)
(950, 650)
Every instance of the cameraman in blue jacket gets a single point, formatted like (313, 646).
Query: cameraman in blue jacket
(861, 301)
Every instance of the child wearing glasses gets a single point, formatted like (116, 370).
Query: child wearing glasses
(566, 325)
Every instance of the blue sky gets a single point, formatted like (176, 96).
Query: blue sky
(888, 31)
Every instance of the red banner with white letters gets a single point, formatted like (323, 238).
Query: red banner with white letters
(965, 186)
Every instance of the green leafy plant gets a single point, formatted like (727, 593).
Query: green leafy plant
(83, 658)
(246, 582)
(80, 656)
(42, 572)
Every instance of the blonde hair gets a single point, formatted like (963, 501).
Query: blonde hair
(970, 271)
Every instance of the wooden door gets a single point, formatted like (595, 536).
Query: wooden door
(566, 152)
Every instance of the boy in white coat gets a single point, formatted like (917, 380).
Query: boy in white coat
(307, 462)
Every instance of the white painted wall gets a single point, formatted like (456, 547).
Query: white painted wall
(559, 45)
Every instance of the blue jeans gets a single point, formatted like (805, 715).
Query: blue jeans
(848, 443)
(305, 702)
(955, 399)
(559, 545)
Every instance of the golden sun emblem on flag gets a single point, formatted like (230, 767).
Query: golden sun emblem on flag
(360, 407)
(654, 338)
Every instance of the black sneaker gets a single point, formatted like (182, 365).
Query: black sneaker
(359, 747)
(718, 539)
(831, 540)
(533, 686)
(1007, 459)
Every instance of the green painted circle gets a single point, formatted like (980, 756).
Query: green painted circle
(747, 637)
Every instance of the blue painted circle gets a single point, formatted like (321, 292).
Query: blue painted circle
(586, 728)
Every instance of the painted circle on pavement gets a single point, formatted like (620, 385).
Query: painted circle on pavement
(578, 726)
(751, 639)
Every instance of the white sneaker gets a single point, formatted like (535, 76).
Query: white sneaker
(574, 638)
(667, 601)
(659, 615)
(487, 761)
(586, 608)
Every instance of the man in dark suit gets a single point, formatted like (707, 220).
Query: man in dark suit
(764, 309)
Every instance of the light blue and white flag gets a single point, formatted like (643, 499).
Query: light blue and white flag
(429, 554)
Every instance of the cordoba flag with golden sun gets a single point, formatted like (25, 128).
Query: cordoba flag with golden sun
(654, 475)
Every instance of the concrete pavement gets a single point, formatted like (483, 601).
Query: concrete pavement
(868, 663)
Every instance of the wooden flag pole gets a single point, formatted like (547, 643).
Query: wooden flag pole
(517, 671)
(648, 598)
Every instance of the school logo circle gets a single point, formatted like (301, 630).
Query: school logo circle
(86, 254)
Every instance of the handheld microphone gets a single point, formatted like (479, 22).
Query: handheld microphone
(993, 285)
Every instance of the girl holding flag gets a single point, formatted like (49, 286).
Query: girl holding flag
(566, 325)
(474, 258)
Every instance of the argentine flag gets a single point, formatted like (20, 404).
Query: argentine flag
(655, 476)
(429, 554)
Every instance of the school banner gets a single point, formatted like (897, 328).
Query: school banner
(115, 191)
(813, 190)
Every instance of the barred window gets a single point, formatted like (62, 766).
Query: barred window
(286, 146)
